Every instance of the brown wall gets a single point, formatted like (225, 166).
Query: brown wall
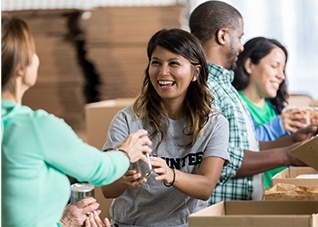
(116, 40)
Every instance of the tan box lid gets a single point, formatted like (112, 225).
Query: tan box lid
(308, 152)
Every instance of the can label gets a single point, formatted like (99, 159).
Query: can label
(80, 191)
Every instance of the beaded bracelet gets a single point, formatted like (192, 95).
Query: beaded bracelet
(118, 149)
(174, 178)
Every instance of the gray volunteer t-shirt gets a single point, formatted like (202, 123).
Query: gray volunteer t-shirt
(154, 204)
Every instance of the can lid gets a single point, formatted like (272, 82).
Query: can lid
(82, 187)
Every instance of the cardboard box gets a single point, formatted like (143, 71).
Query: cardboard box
(314, 103)
(98, 116)
(289, 176)
(299, 100)
(257, 213)
(308, 153)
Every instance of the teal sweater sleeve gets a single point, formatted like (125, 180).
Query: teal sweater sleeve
(38, 150)
(70, 155)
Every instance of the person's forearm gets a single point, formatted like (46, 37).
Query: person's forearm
(200, 185)
(258, 162)
(115, 189)
(190, 183)
(280, 142)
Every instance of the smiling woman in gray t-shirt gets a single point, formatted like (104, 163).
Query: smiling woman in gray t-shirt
(189, 139)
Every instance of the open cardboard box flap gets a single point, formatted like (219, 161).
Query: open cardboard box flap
(308, 152)
(257, 213)
(289, 176)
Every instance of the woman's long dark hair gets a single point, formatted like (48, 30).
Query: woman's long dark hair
(256, 49)
(198, 98)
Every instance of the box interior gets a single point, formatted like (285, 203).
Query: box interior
(257, 213)
(288, 176)
(259, 208)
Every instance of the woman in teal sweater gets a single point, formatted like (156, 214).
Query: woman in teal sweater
(38, 149)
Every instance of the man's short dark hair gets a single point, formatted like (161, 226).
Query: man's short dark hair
(210, 16)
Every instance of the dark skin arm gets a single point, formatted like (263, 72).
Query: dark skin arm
(300, 136)
(276, 153)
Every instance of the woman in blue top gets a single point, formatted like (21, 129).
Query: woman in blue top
(261, 83)
(38, 149)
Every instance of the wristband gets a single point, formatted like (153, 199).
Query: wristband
(174, 178)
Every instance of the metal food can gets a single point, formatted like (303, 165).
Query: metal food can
(80, 191)
(142, 167)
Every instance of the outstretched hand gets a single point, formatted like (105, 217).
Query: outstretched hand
(133, 179)
(93, 220)
(76, 214)
(305, 133)
(136, 145)
(292, 160)
(164, 172)
(293, 120)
